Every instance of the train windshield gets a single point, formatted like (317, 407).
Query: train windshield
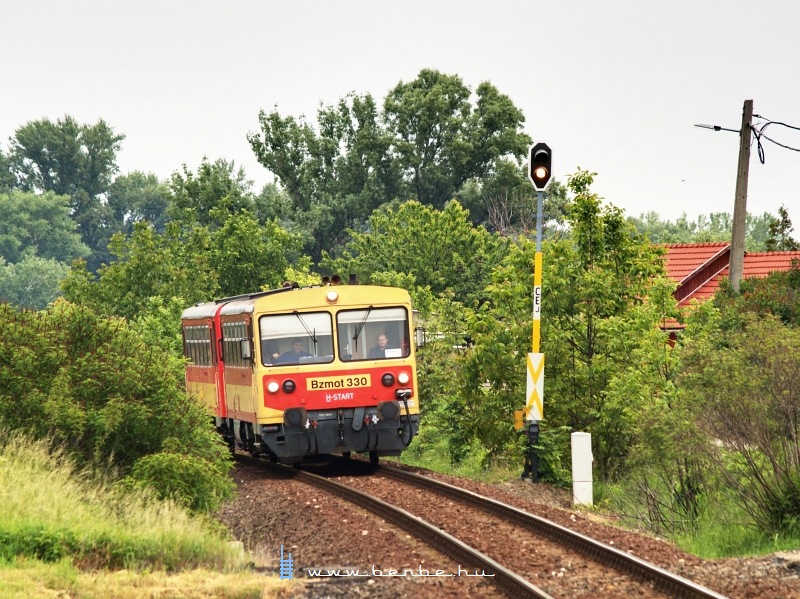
(296, 338)
(372, 333)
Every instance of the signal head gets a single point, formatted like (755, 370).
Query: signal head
(540, 165)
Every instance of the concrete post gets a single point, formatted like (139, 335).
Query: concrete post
(582, 469)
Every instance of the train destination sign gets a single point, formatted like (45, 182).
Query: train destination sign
(349, 381)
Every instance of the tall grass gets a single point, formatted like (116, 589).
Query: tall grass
(432, 452)
(50, 511)
(721, 529)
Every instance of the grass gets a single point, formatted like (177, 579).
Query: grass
(64, 531)
(723, 528)
(433, 454)
(719, 535)
(22, 579)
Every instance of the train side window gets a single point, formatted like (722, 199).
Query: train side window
(197, 344)
(236, 344)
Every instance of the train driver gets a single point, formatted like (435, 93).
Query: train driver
(293, 356)
(379, 351)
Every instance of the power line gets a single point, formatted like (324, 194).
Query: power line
(758, 132)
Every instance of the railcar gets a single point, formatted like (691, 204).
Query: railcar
(296, 372)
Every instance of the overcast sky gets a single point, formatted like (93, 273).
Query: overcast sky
(614, 87)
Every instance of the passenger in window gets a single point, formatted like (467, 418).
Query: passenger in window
(293, 356)
(379, 351)
(406, 347)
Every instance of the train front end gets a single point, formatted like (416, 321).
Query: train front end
(309, 371)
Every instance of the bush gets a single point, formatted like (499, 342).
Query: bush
(194, 482)
(91, 385)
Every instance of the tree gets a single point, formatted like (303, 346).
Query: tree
(195, 196)
(147, 265)
(777, 294)
(89, 384)
(32, 283)
(249, 256)
(137, 197)
(441, 249)
(425, 144)
(337, 177)
(73, 160)
(7, 178)
(441, 141)
(38, 225)
(713, 227)
(780, 229)
(505, 202)
(604, 288)
(743, 371)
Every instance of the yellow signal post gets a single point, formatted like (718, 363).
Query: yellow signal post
(537, 300)
(539, 172)
(534, 406)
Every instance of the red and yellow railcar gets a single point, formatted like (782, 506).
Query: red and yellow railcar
(296, 372)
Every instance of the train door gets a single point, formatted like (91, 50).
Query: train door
(237, 350)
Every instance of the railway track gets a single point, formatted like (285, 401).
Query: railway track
(663, 580)
(507, 578)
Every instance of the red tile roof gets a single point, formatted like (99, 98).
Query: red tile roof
(755, 265)
(697, 268)
(685, 258)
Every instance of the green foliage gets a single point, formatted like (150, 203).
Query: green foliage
(493, 379)
(159, 324)
(746, 378)
(249, 256)
(777, 294)
(7, 177)
(137, 197)
(198, 484)
(442, 250)
(91, 385)
(54, 511)
(594, 317)
(780, 239)
(32, 283)
(505, 202)
(425, 144)
(72, 160)
(442, 141)
(713, 227)
(217, 184)
(38, 225)
(147, 265)
(598, 334)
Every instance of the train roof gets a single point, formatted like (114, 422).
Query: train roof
(298, 298)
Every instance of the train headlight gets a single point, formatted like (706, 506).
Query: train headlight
(387, 379)
(332, 297)
(403, 378)
(289, 386)
(273, 386)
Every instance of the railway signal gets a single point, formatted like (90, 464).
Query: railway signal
(540, 171)
(540, 165)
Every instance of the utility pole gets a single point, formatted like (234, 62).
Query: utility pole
(736, 266)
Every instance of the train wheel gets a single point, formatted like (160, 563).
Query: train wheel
(373, 458)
